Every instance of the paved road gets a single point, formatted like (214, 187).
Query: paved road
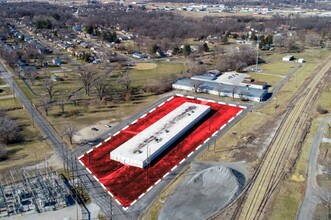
(311, 198)
(29, 87)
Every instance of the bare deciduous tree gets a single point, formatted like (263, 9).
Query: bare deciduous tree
(61, 103)
(48, 86)
(8, 130)
(102, 88)
(74, 97)
(69, 130)
(196, 85)
(46, 105)
(125, 81)
(220, 88)
(3, 152)
(234, 90)
(88, 77)
(31, 76)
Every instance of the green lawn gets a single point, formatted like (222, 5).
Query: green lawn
(141, 77)
(10, 103)
(32, 148)
(6, 91)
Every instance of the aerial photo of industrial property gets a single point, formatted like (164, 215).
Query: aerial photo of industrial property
(165, 109)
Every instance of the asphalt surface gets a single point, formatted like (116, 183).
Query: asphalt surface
(311, 195)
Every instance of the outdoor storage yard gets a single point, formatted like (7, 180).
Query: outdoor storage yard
(127, 183)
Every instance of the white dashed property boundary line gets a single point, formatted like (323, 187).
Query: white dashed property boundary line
(182, 161)
(89, 151)
(149, 189)
(103, 186)
(198, 147)
(119, 203)
(80, 156)
(239, 112)
(110, 193)
(81, 162)
(88, 170)
(232, 105)
(133, 203)
(241, 106)
(170, 98)
(231, 119)
(95, 178)
(98, 145)
(153, 109)
(141, 196)
(165, 175)
(125, 127)
(205, 141)
(172, 169)
(157, 182)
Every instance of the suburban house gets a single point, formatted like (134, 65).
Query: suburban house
(230, 84)
(57, 61)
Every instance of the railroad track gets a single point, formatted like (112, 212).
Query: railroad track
(272, 168)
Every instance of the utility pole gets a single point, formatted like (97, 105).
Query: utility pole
(32, 114)
(257, 52)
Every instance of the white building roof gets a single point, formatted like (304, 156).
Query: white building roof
(148, 144)
(231, 78)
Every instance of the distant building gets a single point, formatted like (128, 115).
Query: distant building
(229, 84)
(288, 58)
(301, 60)
(57, 61)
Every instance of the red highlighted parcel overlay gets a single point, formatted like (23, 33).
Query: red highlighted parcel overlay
(127, 183)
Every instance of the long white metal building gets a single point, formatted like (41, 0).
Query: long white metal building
(143, 148)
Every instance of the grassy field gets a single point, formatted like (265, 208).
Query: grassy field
(141, 77)
(6, 91)
(10, 103)
(32, 148)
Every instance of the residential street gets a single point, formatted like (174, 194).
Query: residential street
(312, 189)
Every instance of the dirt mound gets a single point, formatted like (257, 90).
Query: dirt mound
(206, 189)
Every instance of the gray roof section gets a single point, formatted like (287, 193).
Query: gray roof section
(253, 92)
